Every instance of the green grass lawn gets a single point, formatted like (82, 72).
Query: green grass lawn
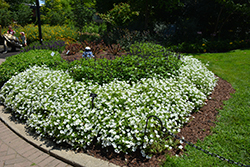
(231, 136)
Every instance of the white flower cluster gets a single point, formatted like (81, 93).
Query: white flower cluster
(56, 106)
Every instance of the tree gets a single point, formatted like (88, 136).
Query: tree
(17, 10)
(56, 12)
(83, 11)
(23, 15)
(149, 10)
(236, 14)
(120, 15)
(4, 5)
(104, 6)
(5, 14)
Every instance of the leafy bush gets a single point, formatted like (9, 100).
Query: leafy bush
(153, 61)
(210, 46)
(23, 14)
(20, 62)
(64, 33)
(88, 36)
(92, 32)
(55, 106)
(120, 15)
(55, 45)
(5, 17)
(125, 37)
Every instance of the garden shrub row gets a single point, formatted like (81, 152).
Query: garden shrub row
(210, 46)
(20, 62)
(65, 33)
(55, 106)
(54, 45)
(144, 60)
(53, 96)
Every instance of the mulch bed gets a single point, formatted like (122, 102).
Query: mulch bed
(197, 129)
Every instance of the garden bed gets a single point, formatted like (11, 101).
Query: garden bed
(197, 129)
(100, 55)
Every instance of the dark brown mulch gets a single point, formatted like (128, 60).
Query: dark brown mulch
(198, 128)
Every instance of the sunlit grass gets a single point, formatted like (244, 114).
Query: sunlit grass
(230, 138)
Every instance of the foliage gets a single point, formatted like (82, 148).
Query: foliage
(65, 33)
(4, 5)
(94, 28)
(57, 12)
(86, 36)
(204, 46)
(120, 15)
(23, 15)
(20, 62)
(5, 17)
(18, 10)
(92, 32)
(214, 20)
(55, 106)
(126, 38)
(54, 45)
(146, 11)
(230, 136)
(151, 11)
(153, 60)
(83, 13)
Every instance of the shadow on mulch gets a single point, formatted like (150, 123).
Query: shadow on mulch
(197, 129)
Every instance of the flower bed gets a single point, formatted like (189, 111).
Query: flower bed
(55, 106)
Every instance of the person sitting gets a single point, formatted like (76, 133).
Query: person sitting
(11, 31)
(87, 53)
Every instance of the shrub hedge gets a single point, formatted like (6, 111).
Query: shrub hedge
(20, 62)
(145, 60)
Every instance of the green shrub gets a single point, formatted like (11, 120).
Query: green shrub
(92, 32)
(125, 37)
(210, 46)
(65, 33)
(20, 62)
(144, 61)
(54, 45)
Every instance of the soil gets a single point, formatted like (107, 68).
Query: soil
(197, 129)
(100, 55)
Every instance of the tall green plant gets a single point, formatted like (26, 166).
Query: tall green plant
(20, 62)
(83, 13)
(120, 15)
(57, 12)
(64, 32)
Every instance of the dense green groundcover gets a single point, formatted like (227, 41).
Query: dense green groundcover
(56, 105)
(144, 60)
(20, 62)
